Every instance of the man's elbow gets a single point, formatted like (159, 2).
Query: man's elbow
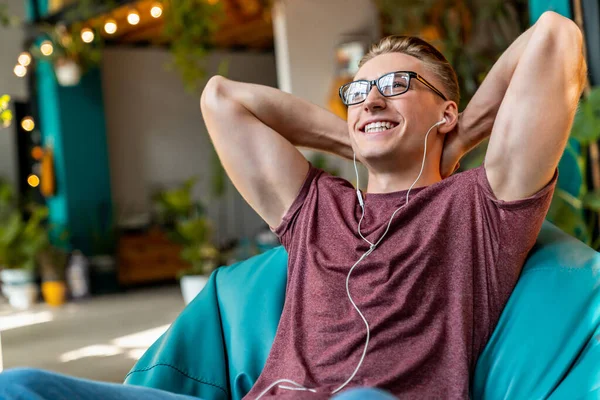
(214, 93)
(560, 30)
(560, 39)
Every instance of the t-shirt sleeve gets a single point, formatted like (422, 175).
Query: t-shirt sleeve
(513, 227)
(285, 229)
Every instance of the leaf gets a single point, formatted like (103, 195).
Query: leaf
(568, 198)
(586, 125)
(569, 219)
(591, 200)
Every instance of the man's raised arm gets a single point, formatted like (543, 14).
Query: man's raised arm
(255, 130)
(527, 103)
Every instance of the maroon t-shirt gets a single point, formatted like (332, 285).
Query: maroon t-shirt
(432, 291)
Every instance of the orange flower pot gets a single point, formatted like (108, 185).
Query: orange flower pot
(54, 292)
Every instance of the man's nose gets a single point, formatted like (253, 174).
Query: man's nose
(374, 100)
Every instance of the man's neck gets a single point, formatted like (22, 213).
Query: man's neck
(394, 181)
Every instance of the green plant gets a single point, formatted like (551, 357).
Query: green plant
(471, 34)
(198, 249)
(68, 45)
(176, 204)
(319, 160)
(6, 19)
(190, 26)
(5, 113)
(23, 237)
(185, 222)
(576, 210)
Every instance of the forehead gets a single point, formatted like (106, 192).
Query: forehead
(389, 62)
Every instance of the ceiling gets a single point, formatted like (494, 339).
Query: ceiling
(247, 24)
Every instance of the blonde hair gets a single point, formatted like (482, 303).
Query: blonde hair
(434, 61)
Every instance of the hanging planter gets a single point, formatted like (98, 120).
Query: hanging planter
(71, 52)
(68, 72)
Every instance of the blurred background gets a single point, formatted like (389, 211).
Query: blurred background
(114, 208)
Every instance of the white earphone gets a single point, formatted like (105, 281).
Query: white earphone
(371, 249)
(358, 192)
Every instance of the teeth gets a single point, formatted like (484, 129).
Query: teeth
(379, 126)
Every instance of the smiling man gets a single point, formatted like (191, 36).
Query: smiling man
(400, 288)
(396, 291)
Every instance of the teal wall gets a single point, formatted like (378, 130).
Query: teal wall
(537, 8)
(72, 122)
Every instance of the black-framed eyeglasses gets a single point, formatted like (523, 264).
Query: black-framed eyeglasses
(389, 85)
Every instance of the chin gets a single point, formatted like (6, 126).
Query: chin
(376, 156)
(367, 150)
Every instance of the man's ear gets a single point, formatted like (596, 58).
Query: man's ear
(451, 117)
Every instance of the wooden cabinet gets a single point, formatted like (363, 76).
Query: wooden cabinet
(148, 257)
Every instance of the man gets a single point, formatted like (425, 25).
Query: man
(398, 288)
(401, 289)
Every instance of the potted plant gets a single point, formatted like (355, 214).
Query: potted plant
(70, 56)
(185, 223)
(173, 205)
(199, 252)
(21, 241)
(53, 263)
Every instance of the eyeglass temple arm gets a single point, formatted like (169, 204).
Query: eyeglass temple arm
(430, 86)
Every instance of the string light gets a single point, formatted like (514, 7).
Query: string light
(20, 70)
(28, 124)
(33, 180)
(87, 35)
(133, 17)
(37, 153)
(156, 10)
(110, 26)
(24, 59)
(46, 48)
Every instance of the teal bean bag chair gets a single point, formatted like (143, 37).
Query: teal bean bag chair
(546, 344)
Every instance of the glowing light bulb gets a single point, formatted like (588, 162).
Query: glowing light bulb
(133, 17)
(110, 26)
(20, 70)
(24, 59)
(33, 180)
(87, 35)
(156, 10)
(46, 48)
(37, 153)
(28, 124)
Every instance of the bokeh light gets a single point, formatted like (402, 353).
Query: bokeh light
(110, 26)
(133, 17)
(156, 10)
(28, 124)
(87, 35)
(24, 59)
(47, 48)
(33, 180)
(20, 70)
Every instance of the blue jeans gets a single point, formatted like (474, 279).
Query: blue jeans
(32, 384)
